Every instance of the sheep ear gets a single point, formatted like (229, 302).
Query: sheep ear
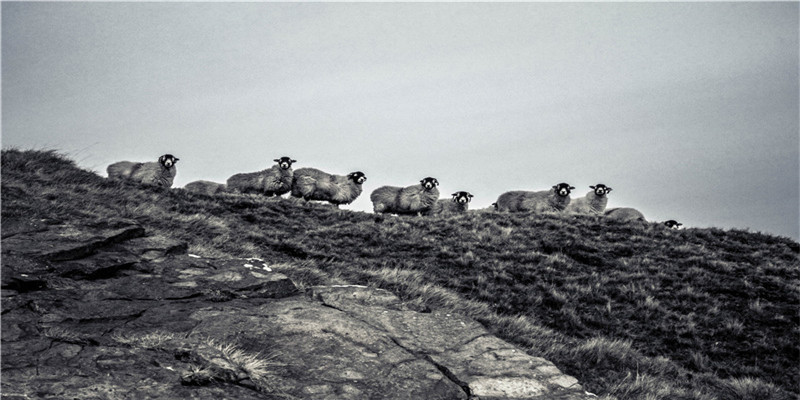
(277, 160)
(454, 194)
(608, 189)
(294, 161)
(435, 182)
(572, 188)
(592, 187)
(161, 159)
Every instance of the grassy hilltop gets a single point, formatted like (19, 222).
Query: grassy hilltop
(632, 310)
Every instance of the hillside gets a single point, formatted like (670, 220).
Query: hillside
(631, 310)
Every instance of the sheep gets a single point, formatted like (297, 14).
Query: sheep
(458, 204)
(313, 184)
(160, 173)
(411, 200)
(274, 181)
(672, 224)
(554, 200)
(625, 214)
(205, 187)
(594, 203)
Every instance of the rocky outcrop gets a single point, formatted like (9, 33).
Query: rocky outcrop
(110, 312)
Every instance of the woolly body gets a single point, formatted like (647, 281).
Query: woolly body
(593, 203)
(160, 173)
(625, 214)
(205, 187)
(274, 181)
(313, 184)
(415, 199)
(554, 200)
(458, 204)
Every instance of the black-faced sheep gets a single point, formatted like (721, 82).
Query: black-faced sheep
(313, 184)
(458, 204)
(625, 214)
(160, 173)
(274, 181)
(554, 200)
(594, 203)
(672, 224)
(205, 187)
(411, 200)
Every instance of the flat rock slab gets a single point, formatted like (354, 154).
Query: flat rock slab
(327, 354)
(226, 277)
(482, 364)
(70, 242)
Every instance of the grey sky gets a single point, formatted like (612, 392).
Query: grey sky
(688, 110)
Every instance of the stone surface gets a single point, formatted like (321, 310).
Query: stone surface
(109, 312)
(483, 365)
(69, 242)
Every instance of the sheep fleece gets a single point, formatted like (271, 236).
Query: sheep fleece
(625, 214)
(544, 201)
(408, 200)
(313, 184)
(272, 181)
(205, 187)
(591, 204)
(448, 206)
(151, 173)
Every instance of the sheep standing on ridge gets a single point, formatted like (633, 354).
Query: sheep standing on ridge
(274, 181)
(458, 204)
(594, 203)
(205, 187)
(160, 173)
(625, 214)
(313, 184)
(672, 224)
(415, 199)
(554, 200)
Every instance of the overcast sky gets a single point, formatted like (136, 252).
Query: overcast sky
(689, 111)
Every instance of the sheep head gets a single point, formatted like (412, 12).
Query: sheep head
(429, 183)
(462, 197)
(601, 189)
(563, 189)
(672, 224)
(167, 160)
(285, 162)
(357, 177)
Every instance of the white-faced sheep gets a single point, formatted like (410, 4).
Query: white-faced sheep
(625, 214)
(458, 204)
(313, 184)
(274, 181)
(205, 187)
(554, 200)
(160, 173)
(672, 224)
(594, 203)
(414, 200)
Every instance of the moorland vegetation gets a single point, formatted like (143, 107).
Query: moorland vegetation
(633, 310)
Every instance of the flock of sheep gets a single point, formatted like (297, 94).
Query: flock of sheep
(418, 199)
